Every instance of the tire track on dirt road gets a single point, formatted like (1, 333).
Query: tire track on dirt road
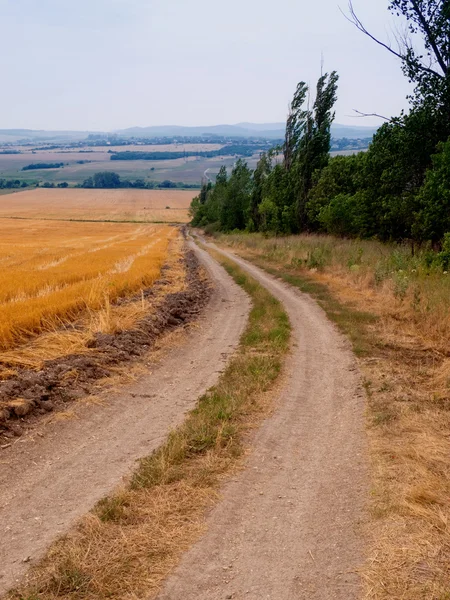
(48, 482)
(290, 526)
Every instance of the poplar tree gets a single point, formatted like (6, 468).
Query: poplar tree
(308, 140)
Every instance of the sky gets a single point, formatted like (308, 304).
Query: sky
(102, 65)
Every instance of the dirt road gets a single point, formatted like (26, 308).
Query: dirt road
(47, 482)
(290, 525)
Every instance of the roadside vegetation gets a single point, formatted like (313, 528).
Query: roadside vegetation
(129, 543)
(395, 307)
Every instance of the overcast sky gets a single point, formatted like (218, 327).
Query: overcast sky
(110, 64)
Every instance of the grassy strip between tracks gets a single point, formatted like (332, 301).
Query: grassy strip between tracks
(129, 543)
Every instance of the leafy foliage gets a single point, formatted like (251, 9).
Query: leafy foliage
(308, 140)
(399, 189)
(432, 219)
(228, 202)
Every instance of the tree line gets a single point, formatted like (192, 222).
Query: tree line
(112, 180)
(8, 184)
(398, 190)
(36, 166)
(230, 150)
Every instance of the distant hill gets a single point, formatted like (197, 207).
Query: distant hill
(268, 131)
(207, 130)
(263, 130)
(352, 132)
(262, 127)
(14, 135)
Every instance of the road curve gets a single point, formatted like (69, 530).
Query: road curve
(47, 482)
(290, 525)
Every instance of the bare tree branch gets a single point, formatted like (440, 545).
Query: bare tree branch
(363, 114)
(356, 21)
(430, 36)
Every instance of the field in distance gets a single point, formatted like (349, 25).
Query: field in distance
(157, 206)
(81, 164)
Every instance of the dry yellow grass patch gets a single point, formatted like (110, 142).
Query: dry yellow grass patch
(53, 272)
(404, 355)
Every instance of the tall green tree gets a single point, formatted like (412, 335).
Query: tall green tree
(432, 220)
(296, 124)
(106, 179)
(260, 177)
(206, 187)
(342, 175)
(217, 196)
(234, 210)
(315, 147)
(308, 140)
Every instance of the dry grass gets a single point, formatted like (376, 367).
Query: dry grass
(52, 273)
(158, 206)
(397, 314)
(127, 546)
(385, 278)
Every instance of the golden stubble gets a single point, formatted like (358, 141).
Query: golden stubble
(52, 273)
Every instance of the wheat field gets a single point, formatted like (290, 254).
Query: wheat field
(134, 205)
(51, 272)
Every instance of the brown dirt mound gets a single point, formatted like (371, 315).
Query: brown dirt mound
(30, 393)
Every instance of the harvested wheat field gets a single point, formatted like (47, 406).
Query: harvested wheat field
(83, 304)
(52, 271)
(157, 206)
